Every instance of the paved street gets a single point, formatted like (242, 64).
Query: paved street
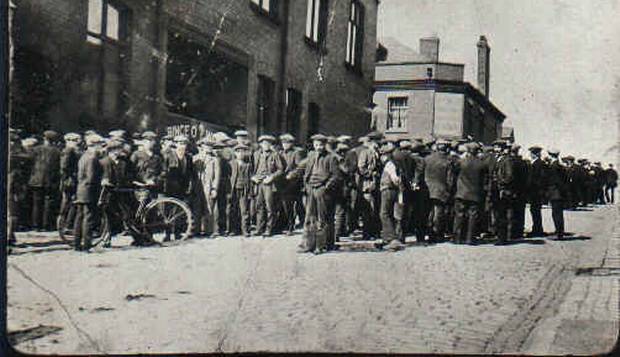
(233, 294)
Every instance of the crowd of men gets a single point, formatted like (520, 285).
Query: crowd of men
(436, 190)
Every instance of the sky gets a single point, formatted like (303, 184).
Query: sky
(555, 64)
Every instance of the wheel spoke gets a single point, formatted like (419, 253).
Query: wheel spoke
(172, 215)
(173, 218)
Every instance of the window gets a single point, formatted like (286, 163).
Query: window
(316, 21)
(266, 88)
(267, 7)
(397, 113)
(355, 35)
(107, 22)
(293, 111)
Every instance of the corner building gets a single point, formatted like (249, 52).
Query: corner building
(270, 66)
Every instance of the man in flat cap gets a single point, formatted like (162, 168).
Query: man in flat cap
(268, 167)
(321, 179)
(89, 176)
(369, 171)
(470, 195)
(346, 202)
(17, 190)
(521, 190)
(599, 177)
(44, 182)
(68, 174)
(556, 191)
(391, 188)
(439, 173)
(505, 182)
(291, 183)
(611, 182)
(208, 168)
(178, 174)
(240, 183)
(537, 185)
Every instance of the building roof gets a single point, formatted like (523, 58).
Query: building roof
(441, 86)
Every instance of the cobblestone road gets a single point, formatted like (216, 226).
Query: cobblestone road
(236, 294)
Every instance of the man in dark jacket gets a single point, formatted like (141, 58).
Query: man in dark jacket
(240, 183)
(87, 193)
(369, 171)
(521, 177)
(44, 182)
(537, 179)
(504, 174)
(439, 176)
(68, 171)
(611, 182)
(291, 183)
(470, 195)
(178, 173)
(269, 167)
(321, 178)
(556, 191)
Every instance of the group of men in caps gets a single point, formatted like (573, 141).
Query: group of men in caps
(386, 188)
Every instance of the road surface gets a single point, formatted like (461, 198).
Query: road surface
(234, 294)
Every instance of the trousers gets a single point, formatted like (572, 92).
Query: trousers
(466, 220)
(84, 224)
(265, 208)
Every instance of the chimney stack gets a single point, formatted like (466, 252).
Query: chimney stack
(484, 65)
(429, 48)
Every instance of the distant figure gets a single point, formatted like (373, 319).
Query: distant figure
(611, 182)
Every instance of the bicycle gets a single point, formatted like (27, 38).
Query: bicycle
(152, 219)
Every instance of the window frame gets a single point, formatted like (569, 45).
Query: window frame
(402, 114)
(273, 13)
(102, 37)
(355, 37)
(317, 12)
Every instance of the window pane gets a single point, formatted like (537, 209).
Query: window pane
(349, 43)
(113, 23)
(353, 45)
(266, 5)
(315, 17)
(94, 16)
(309, 19)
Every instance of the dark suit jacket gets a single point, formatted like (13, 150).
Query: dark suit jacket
(46, 167)
(89, 178)
(438, 173)
(116, 174)
(537, 179)
(471, 179)
(556, 189)
(178, 173)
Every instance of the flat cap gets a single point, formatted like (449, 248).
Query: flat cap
(29, 142)
(242, 133)
(344, 139)
(332, 139)
(50, 135)
(221, 136)
(181, 139)
(72, 137)
(472, 147)
(114, 145)
(270, 138)
(362, 139)
(405, 144)
(569, 158)
(441, 142)
(135, 135)
(342, 146)
(535, 148)
(318, 137)
(387, 149)
(149, 135)
(117, 133)
(553, 152)
(287, 138)
(167, 137)
(94, 139)
(374, 135)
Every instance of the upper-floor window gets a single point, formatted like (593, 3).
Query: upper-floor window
(107, 21)
(355, 35)
(267, 7)
(397, 113)
(316, 20)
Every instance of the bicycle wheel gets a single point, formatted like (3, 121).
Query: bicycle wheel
(100, 232)
(167, 217)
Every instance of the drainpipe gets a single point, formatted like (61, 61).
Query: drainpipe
(283, 66)
(159, 68)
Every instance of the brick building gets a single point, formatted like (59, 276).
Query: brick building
(419, 96)
(301, 66)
